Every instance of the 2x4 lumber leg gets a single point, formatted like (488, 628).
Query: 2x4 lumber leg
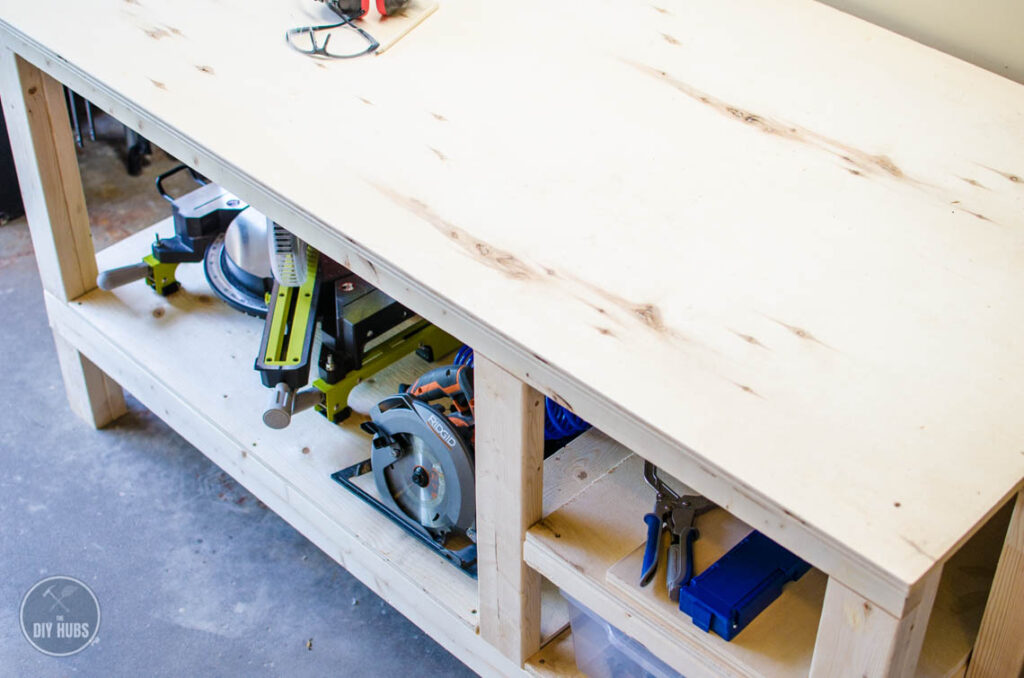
(93, 396)
(509, 480)
(999, 651)
(51, 188)
(859, 639)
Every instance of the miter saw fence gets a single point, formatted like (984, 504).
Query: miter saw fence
(422, 461)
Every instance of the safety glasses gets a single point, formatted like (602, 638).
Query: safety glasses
(349, 39)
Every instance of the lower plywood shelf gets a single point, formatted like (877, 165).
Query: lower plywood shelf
(589, 547)
(189, 359)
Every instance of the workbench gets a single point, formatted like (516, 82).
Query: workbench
(776, 250)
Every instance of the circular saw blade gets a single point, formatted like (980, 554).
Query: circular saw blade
(426, 473)
(417, 482)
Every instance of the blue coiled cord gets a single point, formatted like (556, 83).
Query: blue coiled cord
(559, 422)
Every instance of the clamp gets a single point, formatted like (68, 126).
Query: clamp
(674, 515)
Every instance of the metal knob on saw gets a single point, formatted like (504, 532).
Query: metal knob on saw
(284, 402)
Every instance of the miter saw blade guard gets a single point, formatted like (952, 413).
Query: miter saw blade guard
(237, 264)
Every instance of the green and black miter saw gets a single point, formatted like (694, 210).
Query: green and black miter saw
(214, 226)
(361, 331)
(258, 267)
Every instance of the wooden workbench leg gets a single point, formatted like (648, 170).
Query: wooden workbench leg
(509, 477)
(856, 638)
(51, 188)
(1000, 648)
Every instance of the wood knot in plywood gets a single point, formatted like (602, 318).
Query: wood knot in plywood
(752, 340)
(800, 332)
(886, 164)
(1012, 177)
(494, 257)
(974, 182)
(747, 389)
(650, 315)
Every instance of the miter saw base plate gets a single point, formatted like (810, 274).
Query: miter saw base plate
(237, 287)
(463, 557)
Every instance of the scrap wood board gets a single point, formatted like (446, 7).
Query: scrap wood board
(385, 30)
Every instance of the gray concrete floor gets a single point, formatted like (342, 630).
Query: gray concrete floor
(195, 577)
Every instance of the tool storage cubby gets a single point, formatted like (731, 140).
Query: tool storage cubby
(590, 545)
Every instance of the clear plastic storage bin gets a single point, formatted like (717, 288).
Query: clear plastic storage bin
(603, 651)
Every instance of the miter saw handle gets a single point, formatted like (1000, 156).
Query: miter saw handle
(447, 381)
(116, 277)
(196, 177)
(284, 402)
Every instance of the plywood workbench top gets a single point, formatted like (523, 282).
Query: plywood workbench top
(788, 240)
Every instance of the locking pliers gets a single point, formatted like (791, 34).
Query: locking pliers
(673, 516)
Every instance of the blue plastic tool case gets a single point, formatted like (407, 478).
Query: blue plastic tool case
(729, 594)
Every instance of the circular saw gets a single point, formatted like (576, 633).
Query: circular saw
(423, 466)
(422, 462)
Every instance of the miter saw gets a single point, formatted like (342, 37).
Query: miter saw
(214, 226)
(258, 267)
(422, 462)
(361, 331)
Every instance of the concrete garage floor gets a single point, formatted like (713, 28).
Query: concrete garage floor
(194, 576)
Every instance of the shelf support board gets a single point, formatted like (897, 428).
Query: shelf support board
(1000, 650)
(509, 472)
(51, 187)
(857, 638)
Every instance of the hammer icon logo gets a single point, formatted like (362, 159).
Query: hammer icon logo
(66, 591)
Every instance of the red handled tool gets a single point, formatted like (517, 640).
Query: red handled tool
(354, 9)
